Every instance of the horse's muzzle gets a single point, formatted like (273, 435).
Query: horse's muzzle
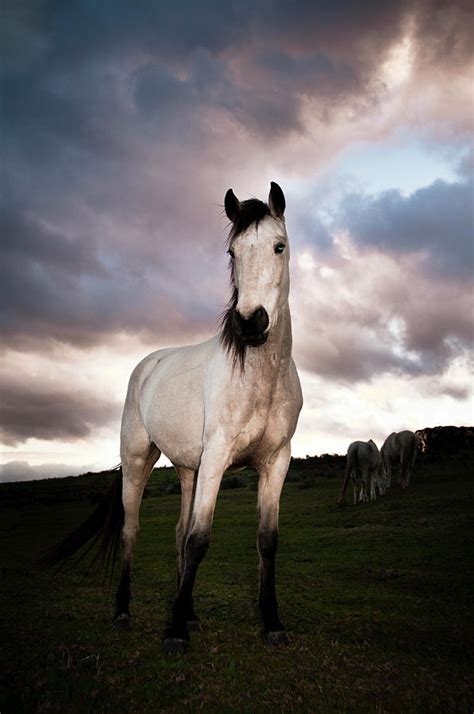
(252, 330)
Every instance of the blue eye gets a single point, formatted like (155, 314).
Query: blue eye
(279, 248)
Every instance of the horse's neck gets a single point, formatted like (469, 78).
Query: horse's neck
(273, 358)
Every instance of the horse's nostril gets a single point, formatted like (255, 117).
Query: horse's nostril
(260, 319)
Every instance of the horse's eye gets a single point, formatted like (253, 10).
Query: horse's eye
(231, 253)
(279, 248)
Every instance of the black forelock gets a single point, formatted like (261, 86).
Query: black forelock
(251, 211)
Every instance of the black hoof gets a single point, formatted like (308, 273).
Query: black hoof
(122, 622)
(279, 637)
(174, 645)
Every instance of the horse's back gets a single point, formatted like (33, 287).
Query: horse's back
(409, 443)
(355, 454)
(363, 454)
(408, 437)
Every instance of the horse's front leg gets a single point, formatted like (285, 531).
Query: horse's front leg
(187, 482)
(271, 479)
(213, 464)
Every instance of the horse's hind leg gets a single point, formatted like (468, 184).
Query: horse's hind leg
(187, 479)
(410, 459)
(137, 465)
(354, 489)
(373, 480)
(380, 481)
(363, 486)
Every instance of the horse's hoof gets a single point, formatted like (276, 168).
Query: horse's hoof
(280, 637)
(194, 626)
(122, 622)
(174, 645)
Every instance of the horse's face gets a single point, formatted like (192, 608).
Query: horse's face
(260, 256)
(260, 265)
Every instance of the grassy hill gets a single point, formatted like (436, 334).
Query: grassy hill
(376, 599)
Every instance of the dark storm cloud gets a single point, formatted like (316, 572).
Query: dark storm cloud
(438, 220)
(172, 29)
(32, 410)
(24, 236)
(210, 84)
(67, 64)
(118, 119)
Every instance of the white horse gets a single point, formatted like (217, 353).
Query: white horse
(364, 462)
(400, 448)
(232, 400)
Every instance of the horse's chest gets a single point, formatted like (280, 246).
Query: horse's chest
(251, 417)
(261, 425)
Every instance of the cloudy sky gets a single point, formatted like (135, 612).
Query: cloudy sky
(122, 126)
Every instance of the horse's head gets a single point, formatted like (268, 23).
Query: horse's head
(259, 251)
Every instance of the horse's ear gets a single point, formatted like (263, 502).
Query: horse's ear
(232, 206)
(276, 201)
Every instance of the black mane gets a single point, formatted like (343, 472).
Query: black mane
(251, 211)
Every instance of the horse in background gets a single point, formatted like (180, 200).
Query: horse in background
(232, 400)
(400, 448)
(363, 464)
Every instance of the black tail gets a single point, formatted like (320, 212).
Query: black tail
(103, 525)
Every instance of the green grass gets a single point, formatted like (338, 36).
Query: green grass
(376, 599)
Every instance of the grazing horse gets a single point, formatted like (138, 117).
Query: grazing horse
(363, 460)
(232, 400)
(401, 448)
